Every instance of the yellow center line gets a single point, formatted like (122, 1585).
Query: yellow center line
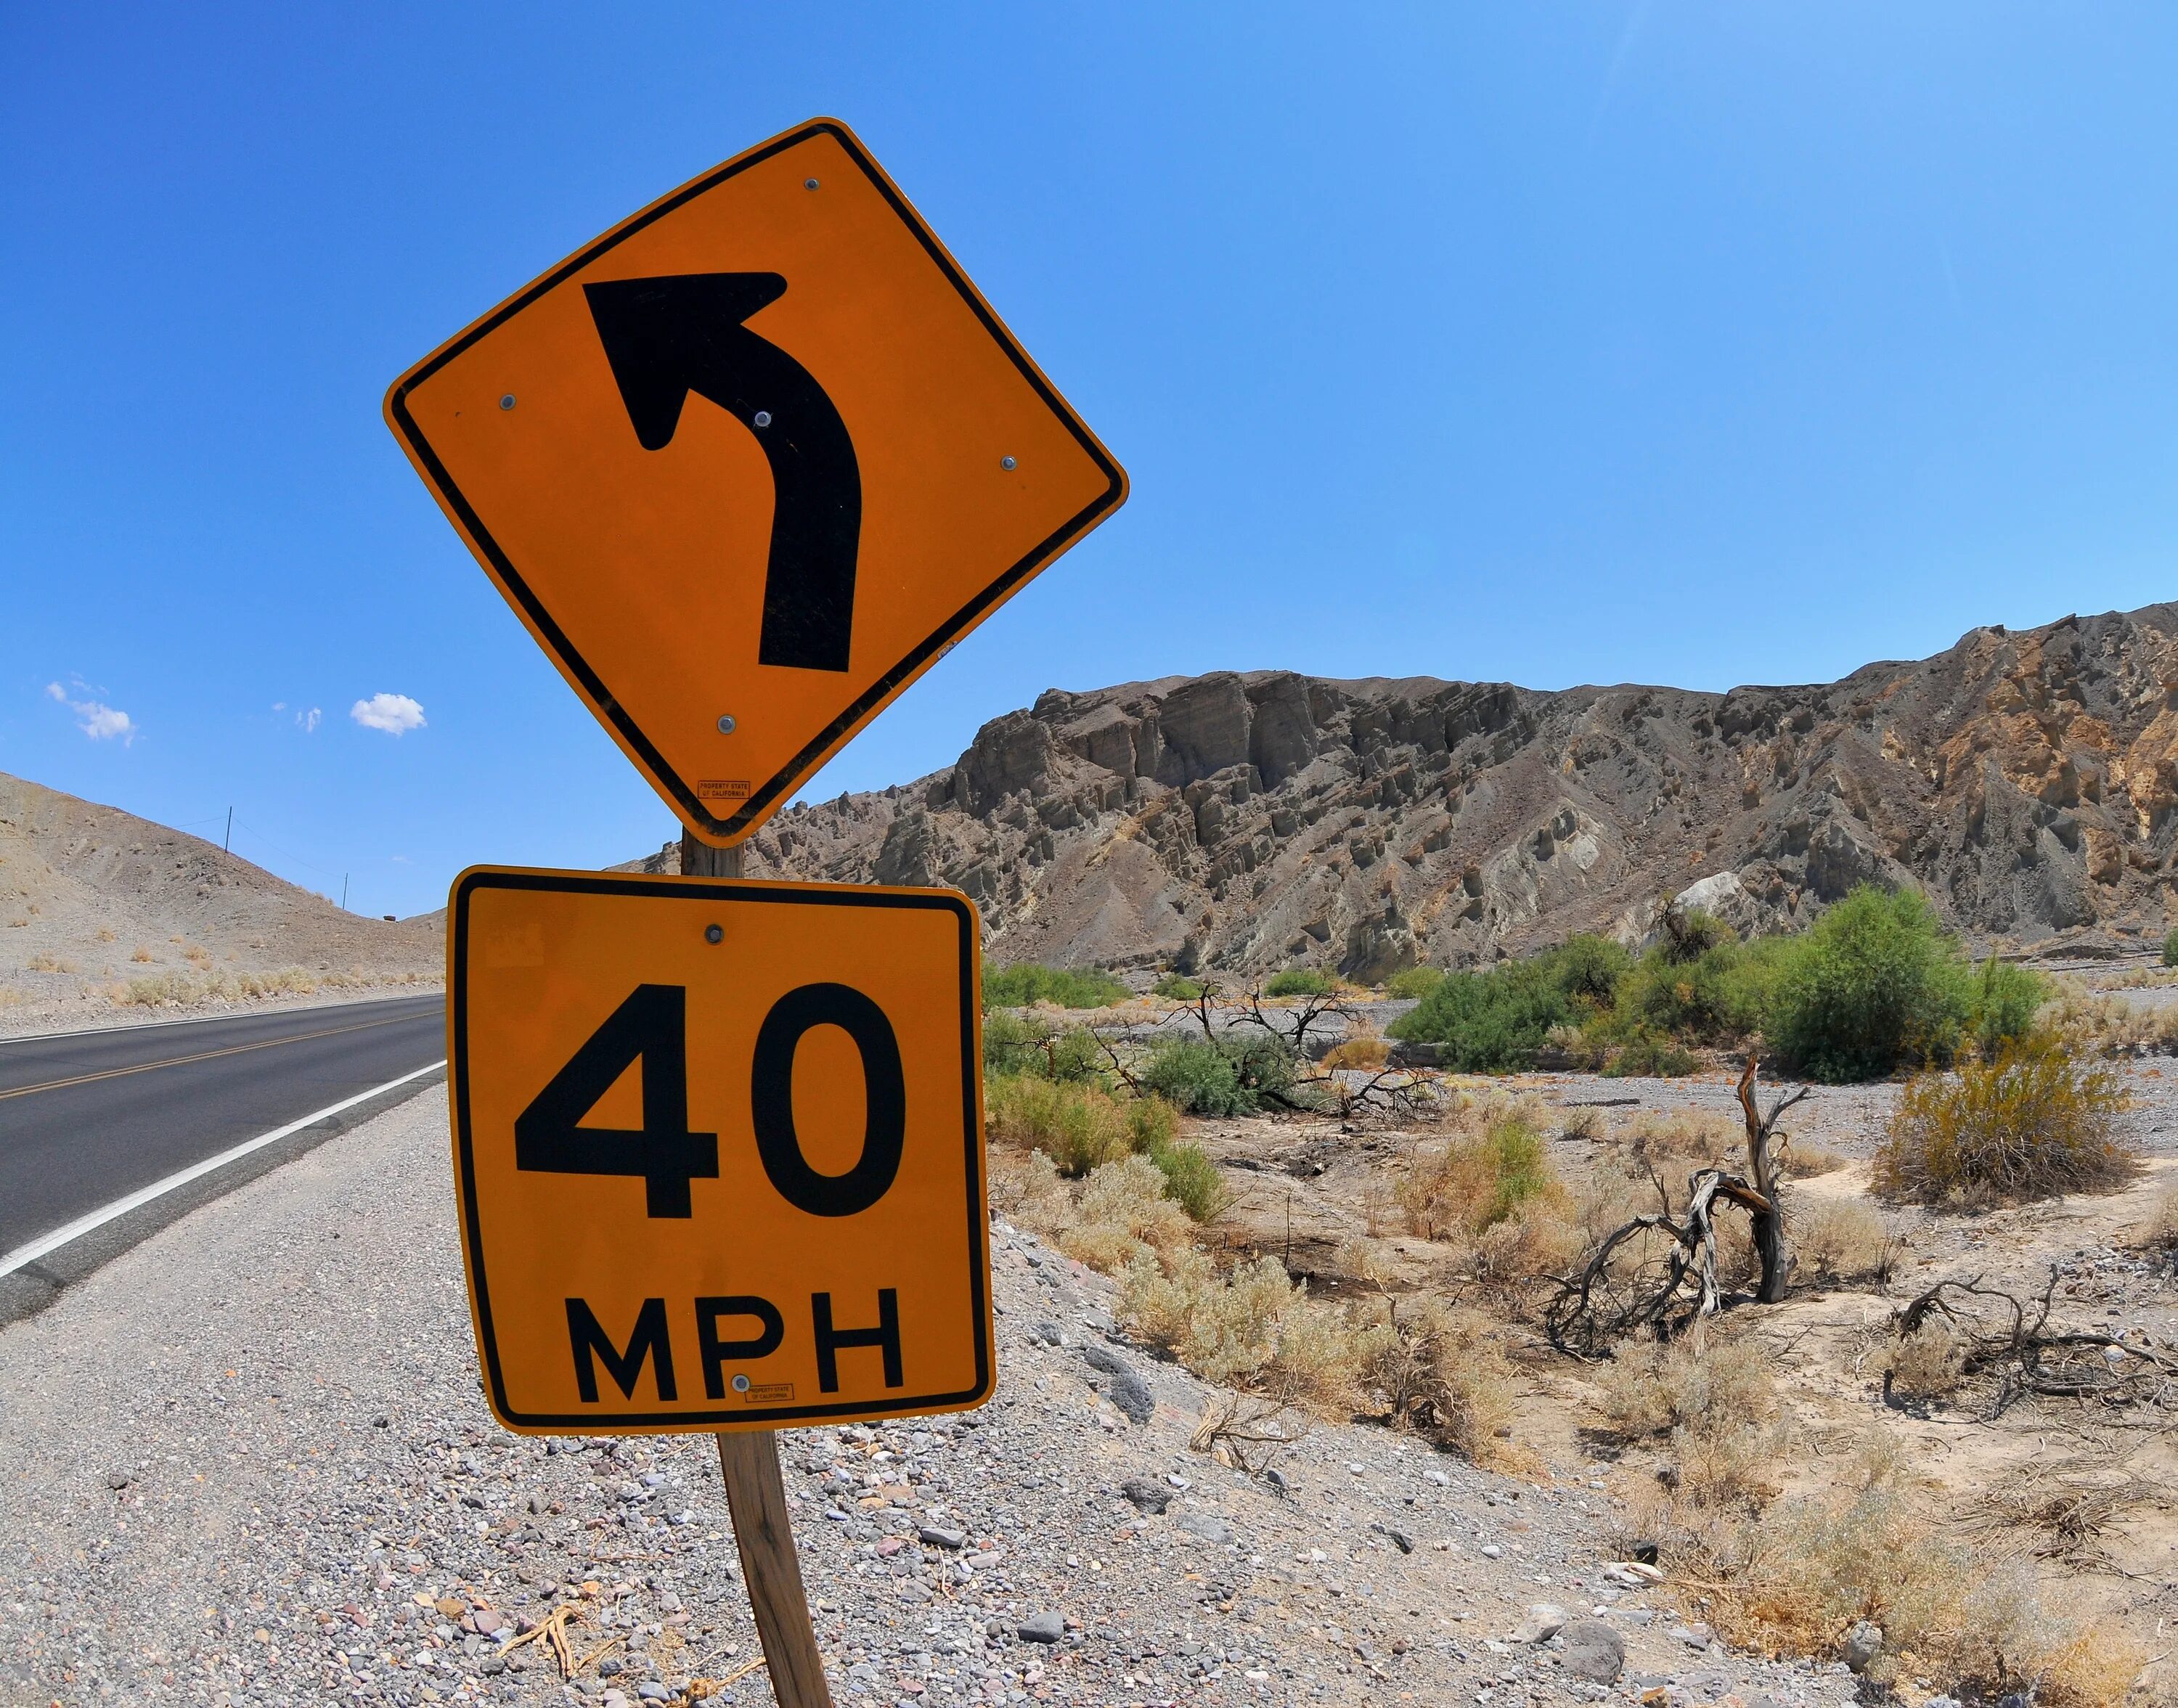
(202, 1055)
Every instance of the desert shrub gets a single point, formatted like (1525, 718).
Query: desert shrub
(1710, 1394)
(1079, 1126)
(1123, 1213)
(1301, 981)
(1364, 1053)
(1480, 1178)
(2002, 1002)
(1926, 1365)
(2160, 1234)
(1489, 1022)
(1256, 1327)
(1706, 1382)
(1587, 969)
(49, 963)
(1439, 1369)
(1191, 1180)
(1233, 1074)
(1543, 1236)
(1413, 983)
(1649, 1054)
(1876, 982)
(1065, 987)
(1805, 1162)
(1835, 1240)
(1175, 986)
(2036, 1122)
(1016, 1043)
(1698, 933)
(1152, 1124)
(1654, 1137)
(2170, 950)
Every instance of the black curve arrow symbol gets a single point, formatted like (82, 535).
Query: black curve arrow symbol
(668, 336)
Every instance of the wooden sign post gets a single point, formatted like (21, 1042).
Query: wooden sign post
(756, 1489)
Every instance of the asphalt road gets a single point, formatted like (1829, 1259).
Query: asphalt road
(87, 1118)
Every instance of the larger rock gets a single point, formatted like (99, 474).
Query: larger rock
(1591, 1650)
(1123, 1385)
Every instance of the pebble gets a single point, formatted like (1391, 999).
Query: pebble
(1041, 1627)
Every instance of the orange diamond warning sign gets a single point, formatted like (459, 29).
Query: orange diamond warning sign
(749, 463)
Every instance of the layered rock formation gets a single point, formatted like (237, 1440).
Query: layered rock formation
(1255, 821)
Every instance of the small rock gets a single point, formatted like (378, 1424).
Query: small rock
(1206, 1525)
(1695, 1636)
(1545, 1620)
(1050, 1334)
(450, 1606)
(1041, 1627)
(118, 1479)
(650, 1690)
(1863, 1644)
(492, 1666)
(943, 1538)
(1593, 1650)
(1279, 1485)
(610, 1666)
(1147, 1496)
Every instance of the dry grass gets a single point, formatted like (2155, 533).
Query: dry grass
(2037, 1122)
(1836, 1240)
(1927, 1364)
(106, 933)
(143, 955)
(1710, 1394)
(2067, 1511)
(2160, 1232)
(1805, 1162)
(50, 963)
(1496, 1163)
(2096, 1023)
(1793, 1580)
(1367, 1053)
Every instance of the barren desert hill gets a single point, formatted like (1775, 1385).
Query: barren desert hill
(90, 893)
(1257, 820)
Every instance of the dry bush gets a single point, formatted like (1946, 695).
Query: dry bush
(50, 963)
(1836, 1240)
(143, 953)
(1255, 1328)
(1365, 1053)
(1543, 1237)
(1497, 1162)
(180, 989)
(2036, 1122)
(106, 933)
(1122, 1213)
(2094, 1023)
(2160, 1232)
(18, 924)
(1582, 1125)
(1439, 1369)
(1927, 1364)
(1804, 1162)
(1795, 1580)
(1701, 1136)
(197, 955)
(1025, 1188)
(1706, 1382)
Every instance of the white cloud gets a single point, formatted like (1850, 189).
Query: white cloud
(279, 706)
(99, 721)
(395, 713)
(308, 719)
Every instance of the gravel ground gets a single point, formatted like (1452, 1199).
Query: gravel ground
(249, 1463)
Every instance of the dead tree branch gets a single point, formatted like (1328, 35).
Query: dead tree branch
(2028, 1357)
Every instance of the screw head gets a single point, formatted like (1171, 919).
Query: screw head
(740, 1384)
(809, 184)
(726, 725)
(714, 934)
(508, 402)
(762, 418)
(1008, 462)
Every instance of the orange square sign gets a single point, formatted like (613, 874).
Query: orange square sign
(719, 1150)
(747, 464)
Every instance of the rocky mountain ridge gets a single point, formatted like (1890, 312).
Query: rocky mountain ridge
(1253, 821)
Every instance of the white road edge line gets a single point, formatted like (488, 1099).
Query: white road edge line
(46, 1243)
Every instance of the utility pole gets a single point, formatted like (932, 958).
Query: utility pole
(227, 842)
(344, 892)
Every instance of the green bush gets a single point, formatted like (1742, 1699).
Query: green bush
(1017, 1044)
(1649, 1054)
(1301, 981)
(1066, 987)
(2170, 950)
(2002, 1003)
(1176, 987)
(1697, 934)
(1078, 1127)
(1152, 1124)
(1874, 983)
(1233, 1076)
(1191, 1180)
(1413, 983)
(1489, 1022)
(1588, 968)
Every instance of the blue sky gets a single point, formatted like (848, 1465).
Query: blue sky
(1699, 343)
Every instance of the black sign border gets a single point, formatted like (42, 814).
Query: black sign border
(758, 806)
(730, 892)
